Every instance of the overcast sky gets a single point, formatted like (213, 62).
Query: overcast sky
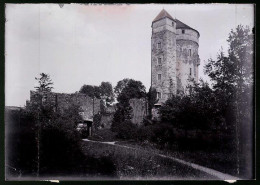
(87, 44)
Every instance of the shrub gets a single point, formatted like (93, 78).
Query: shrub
(126, 130)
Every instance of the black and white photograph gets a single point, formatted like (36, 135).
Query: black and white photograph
(129, 92)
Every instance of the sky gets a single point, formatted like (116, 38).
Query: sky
(90, 43)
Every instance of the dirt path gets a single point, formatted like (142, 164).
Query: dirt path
(211, 172)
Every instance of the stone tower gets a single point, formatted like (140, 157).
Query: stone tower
(174, 57)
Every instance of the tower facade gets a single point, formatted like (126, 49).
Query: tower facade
(174, 56)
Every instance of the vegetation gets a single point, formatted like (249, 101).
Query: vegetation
(45, 83)
(215, 120)
(126, 89)
(225, 110)
(103, 92)
(152, 99)
(44, 141)
(131, 163)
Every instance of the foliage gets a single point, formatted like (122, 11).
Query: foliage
(120, 86)
(123, 113)
(192, 111)
(104, 92)
(128, 89)
(236, 69)
(152, 99)
(90, 90)
(232, 78)
(133, 89)
(125, 130)
(45, 83)
(160, 134)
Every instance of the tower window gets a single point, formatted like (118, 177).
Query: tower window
(194, 71)
(159, 95)
(189, 52)
(172, 23)
(182, 31)
(159, 77)
(190, 71)
(159, 61)
(159, 45)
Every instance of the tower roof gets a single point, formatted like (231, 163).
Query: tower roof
(181, 25)
(162, 15)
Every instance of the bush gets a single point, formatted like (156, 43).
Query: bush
(161, 134)
(126, 130)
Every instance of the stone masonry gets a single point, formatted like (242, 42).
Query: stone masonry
(62, 101)
(174, 56)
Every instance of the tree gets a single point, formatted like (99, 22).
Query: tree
(91, 91)
(120, 86)
(45, 83)
(232, 77)
(106, 92)
(42, 113)
(133, 89)
(152, 99)
(128, 89)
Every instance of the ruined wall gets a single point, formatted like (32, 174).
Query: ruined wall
(139, 107)
(62, 101)
(106, 120)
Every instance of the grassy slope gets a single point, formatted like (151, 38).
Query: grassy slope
(138, 164)
(218, 160)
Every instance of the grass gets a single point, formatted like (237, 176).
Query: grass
(103, 135)
(140, 164)
(222, 161)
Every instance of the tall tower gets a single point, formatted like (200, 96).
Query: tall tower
(174, 58)
(163, 59)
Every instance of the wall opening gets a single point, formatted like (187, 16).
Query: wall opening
(159, 77)
(159, 61)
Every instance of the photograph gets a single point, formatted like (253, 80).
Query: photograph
(129, 92)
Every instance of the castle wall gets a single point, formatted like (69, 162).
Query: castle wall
(106, 120)
(139, 107)
(62, 101)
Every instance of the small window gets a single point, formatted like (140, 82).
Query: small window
(159, 95)
(182, 31)
(159, 77)
(173, 24)
(159, 45)
(159, 61)
(194, 71)
(189, 52)
(170, 95)
(190, 71)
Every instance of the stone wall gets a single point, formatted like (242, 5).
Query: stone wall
(179, 58)
(139, 107)
(62, 101)
(167, 68)
(187, 66)
(106, 120)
